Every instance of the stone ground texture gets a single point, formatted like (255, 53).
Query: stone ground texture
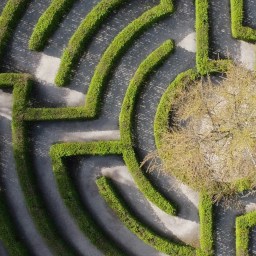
(180, 27)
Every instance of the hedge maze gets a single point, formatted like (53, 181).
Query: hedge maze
(44, 208)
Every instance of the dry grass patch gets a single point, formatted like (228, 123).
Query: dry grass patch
(211, 142)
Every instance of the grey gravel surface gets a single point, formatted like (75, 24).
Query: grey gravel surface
(250, 14)
(14, 195)
(222, 45)
(19, 59)
(2, 4)
(88, 171)
(3, 251)
(225, 222)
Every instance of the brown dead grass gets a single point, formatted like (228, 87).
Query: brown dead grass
(212, 141)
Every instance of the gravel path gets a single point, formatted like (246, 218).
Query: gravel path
(169, 226)
(88, 171)
(3, 250)
(2, 4)
(10, 183)
(180, 28)
(43, 136)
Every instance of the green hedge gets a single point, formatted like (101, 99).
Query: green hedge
(83, 218)
(161, 126)
(206, 225)
(154, 59)
(243, 225)
(115, 201)
(103, 70)
(48, 23)
(126, 124)
(85, 221)
(7, 228)
(203, 63)
(116, 49)
(81, 38)
(69, 149)
(9, 19)
(237, 16)
(8, 234)
(48, 114)
(21, 87)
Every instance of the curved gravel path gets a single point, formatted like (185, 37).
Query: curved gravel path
(88, 171)
(179, 27)
(10, 183)
(169, 226)
(3, 250)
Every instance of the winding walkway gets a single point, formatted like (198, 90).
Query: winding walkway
(85, 170)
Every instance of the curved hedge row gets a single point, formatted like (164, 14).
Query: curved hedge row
(36, 207)
(115, 201)
(125, 123)
(81, 38)
(86, 222)
(117, 48)
(103, 70)
(48, 22)
(59, 152)
(9, 19)
(161, 126)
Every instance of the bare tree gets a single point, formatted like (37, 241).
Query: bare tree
(212, 142)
